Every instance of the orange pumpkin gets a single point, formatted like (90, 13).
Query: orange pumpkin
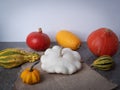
(30, 75)
(103, 41)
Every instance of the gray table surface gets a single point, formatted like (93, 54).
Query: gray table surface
(8, 76)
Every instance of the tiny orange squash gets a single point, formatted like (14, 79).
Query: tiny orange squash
(67, 39)
(30, 75)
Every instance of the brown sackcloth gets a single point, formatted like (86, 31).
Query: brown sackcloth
(85, 79)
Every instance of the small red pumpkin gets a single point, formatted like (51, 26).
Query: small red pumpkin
(103, 41)
(38, 41)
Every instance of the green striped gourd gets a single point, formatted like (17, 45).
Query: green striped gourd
(104, 62)
(13, 57)
(11, 51)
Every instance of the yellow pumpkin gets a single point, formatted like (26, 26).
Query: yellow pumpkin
(30, 75)
(68, 40)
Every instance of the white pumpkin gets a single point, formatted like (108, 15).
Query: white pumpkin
(60, 60)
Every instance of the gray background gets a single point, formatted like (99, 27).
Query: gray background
(20, 17)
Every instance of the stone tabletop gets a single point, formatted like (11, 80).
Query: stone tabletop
(8, 76)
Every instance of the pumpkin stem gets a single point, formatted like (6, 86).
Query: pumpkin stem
(108, 30)
(40, 30)
(31, 69)
(61, 52)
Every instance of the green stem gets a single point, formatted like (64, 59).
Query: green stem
(31, 69)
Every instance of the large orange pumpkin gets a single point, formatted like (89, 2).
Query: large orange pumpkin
(103, 41)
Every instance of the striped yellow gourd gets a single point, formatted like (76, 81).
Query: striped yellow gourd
(13, 57)
(104, 62)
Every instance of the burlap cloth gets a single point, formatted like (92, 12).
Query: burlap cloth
(85, 79)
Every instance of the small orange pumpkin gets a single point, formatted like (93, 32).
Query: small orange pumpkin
(30, 75)
(103, 41)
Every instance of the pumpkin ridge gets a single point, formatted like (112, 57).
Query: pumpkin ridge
(36, 74)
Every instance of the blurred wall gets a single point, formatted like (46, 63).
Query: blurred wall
(20, 17)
